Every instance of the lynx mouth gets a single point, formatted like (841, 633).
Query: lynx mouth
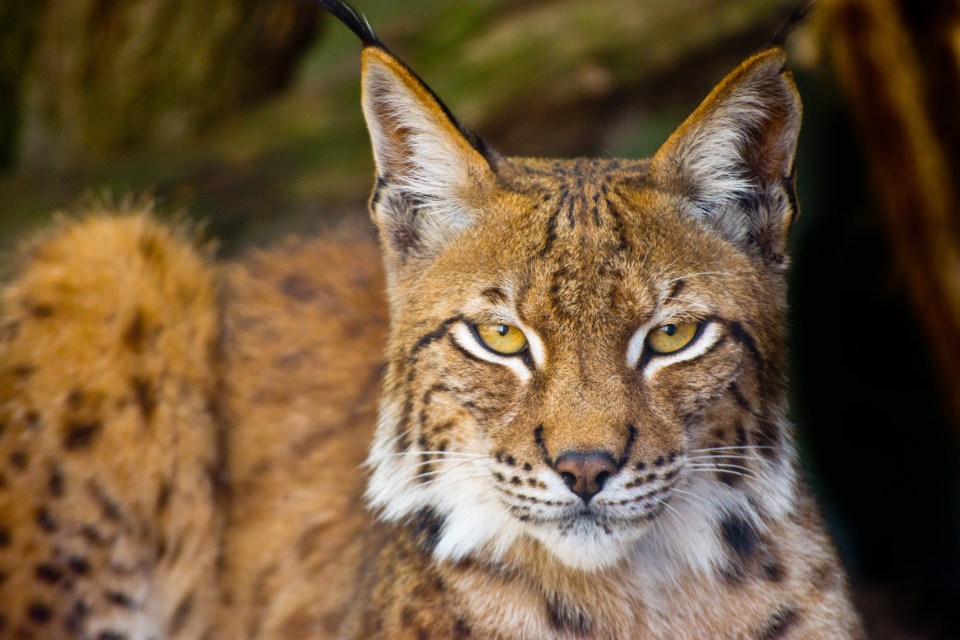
(603, 519)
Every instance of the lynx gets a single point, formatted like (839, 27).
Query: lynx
(573, 425)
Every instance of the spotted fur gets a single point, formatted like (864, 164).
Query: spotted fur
(138, 378)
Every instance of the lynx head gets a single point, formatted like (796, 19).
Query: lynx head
(583, 354)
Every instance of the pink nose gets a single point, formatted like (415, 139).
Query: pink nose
(586, 472)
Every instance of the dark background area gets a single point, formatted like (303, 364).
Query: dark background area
(255, 128)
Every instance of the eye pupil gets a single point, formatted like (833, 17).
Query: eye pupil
(503, 329)
(669, 338)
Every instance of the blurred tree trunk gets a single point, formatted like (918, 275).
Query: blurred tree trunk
(898, 62)
(100, 76)
(18, 22)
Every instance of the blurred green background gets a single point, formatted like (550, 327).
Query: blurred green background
(246, 115)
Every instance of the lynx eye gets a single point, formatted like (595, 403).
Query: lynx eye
(504, 339)
(669, 338)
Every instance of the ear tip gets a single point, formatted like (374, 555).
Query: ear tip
(770, 65)
(770, 60)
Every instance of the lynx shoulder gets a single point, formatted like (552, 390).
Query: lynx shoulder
(566, 417)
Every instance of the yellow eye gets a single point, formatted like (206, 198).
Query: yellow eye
(669, 338)
(504, 339)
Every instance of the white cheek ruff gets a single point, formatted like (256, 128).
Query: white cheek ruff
(465, 338)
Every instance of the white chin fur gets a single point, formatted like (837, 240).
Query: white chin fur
(586, 546)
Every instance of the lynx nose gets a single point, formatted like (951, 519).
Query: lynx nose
(585, 472)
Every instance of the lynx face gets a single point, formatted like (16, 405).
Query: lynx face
(583, 353)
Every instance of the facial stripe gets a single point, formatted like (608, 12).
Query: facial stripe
(401, 436)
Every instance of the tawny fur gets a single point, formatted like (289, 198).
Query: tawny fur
(139, 379)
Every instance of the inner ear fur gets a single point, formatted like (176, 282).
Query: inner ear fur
(428, 165)
(733, 158)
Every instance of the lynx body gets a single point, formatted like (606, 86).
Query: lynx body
(573, 424)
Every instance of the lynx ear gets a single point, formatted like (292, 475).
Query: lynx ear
(733, 158)
(429, 167)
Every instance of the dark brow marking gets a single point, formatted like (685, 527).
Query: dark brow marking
(552, 225)
(618, 227)
(595, 208)
(494, 294)
(676, 288)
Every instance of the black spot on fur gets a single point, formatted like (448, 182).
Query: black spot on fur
(80, 435)
(145, 396)
(76, 616)
(426, 527)
(19, 460)
(135, 335)
(779, 624)
(768, 439)
(31, 419)
(739, 535)
(109, 634)
(298, 287)
(23, 370)
(39, 612)
(40, 310)
(78, 565)
(56, 483)
(773, 570)
(163, 497)
(48, 573)
(567, 619)
(93, 535)
(120, 599)
(741, 539)
(45, 520)
(109, 507)
(180, 615)
(4, 537)
(461, 629)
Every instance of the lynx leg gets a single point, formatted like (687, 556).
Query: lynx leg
(109, 443)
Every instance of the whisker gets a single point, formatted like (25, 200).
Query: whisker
(700, 273)
(439, 454)
(731, 472)
(746, 447)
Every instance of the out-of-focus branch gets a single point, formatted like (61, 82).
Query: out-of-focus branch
(98, 77)
(895, 91)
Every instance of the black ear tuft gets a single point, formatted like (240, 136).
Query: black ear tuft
(354, 21)
(797, 16)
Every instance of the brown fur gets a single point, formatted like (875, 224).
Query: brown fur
(121, 365)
